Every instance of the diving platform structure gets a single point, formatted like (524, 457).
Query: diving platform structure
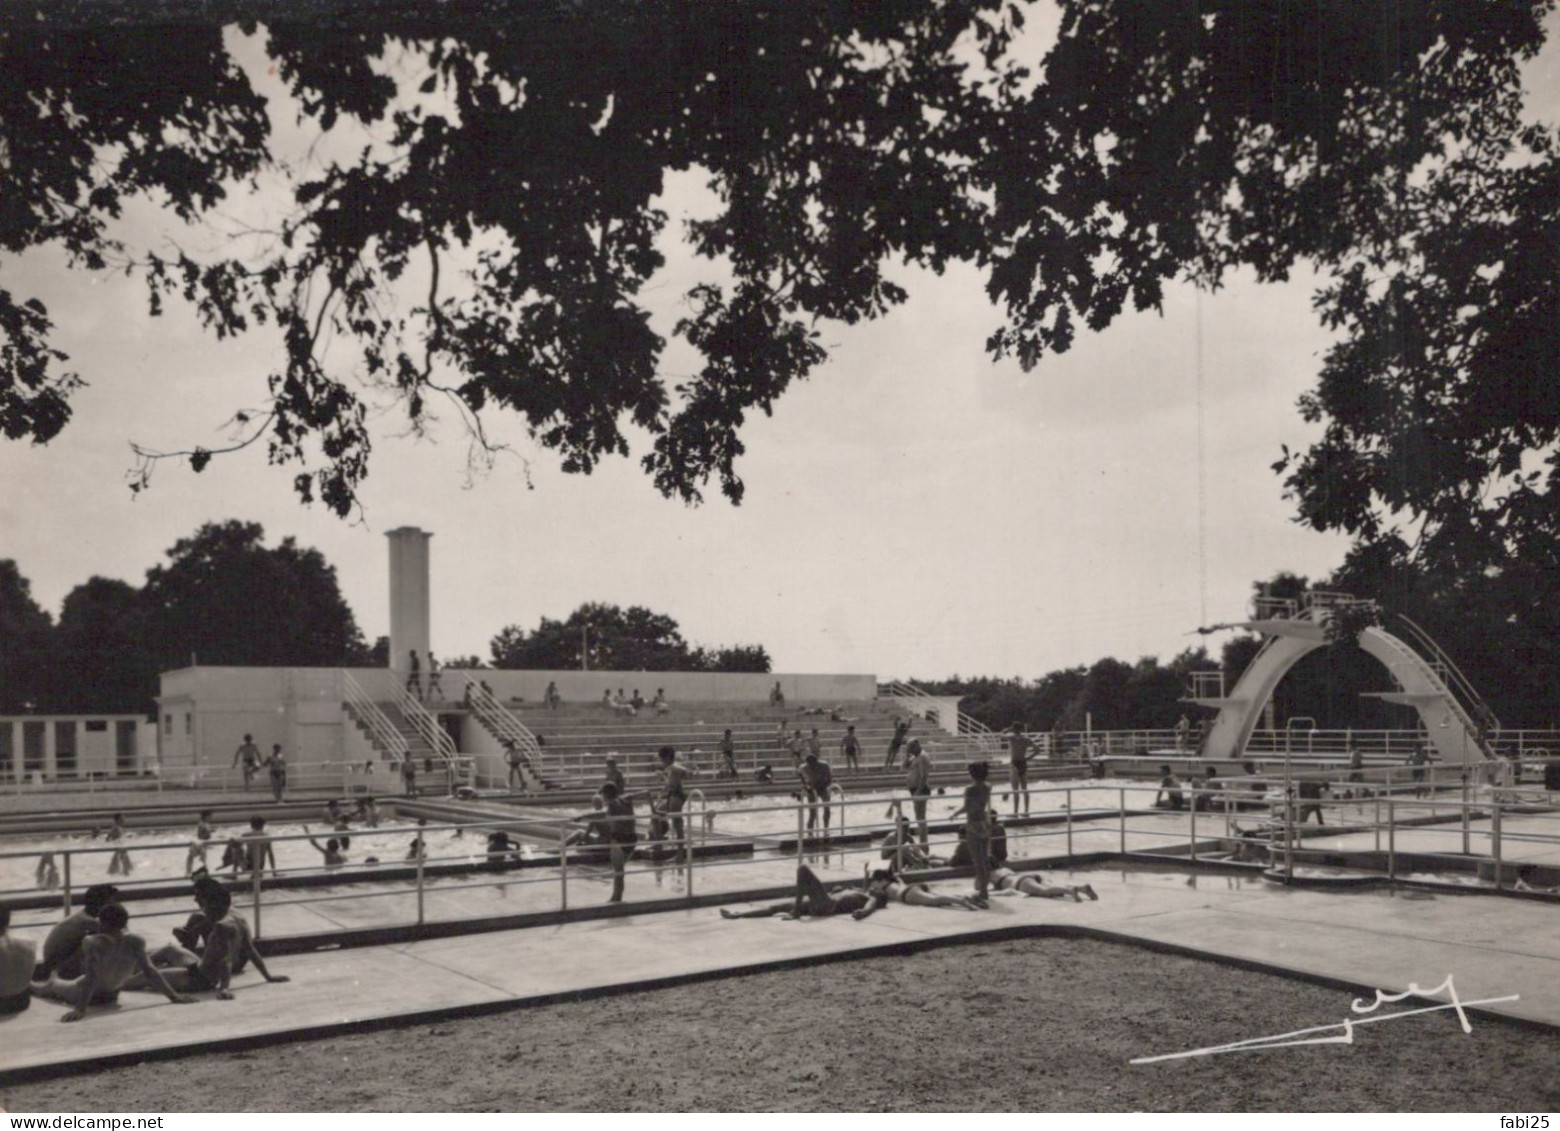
(1457, 722)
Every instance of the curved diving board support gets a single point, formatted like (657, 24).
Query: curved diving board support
(1452, 732)
(1242, 707)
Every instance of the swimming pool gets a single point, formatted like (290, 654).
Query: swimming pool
(164, 854)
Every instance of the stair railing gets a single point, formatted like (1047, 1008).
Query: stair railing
(1452, 676)
(984, 736)
(431, 732)
(381, 730)
(502, 723)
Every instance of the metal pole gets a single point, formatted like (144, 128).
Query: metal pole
(1376, 823)
(1391, 840)
(900, 829)
(1500, 881)
(563, 871)
(688, 848)
(1465, 810)
(799, 834)
(1069, 821)
(255, 885)
(422, 851)
(1195, 799)
(1121, 805)
(67, 882)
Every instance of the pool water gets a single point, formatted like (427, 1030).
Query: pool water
(774, 815)
(162, 854)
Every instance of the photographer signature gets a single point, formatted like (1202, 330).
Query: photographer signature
(1347, 1025)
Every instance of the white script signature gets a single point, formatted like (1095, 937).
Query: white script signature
(1347, 1025)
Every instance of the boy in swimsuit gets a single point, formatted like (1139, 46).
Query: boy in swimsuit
(1018, 766)
(198, 844)
(248, 756)
(1169, 795)
(258, 848)
(674, 793)
(111, 959)
(119, 863)
(814, 901)
(850, 748)
(977, 827)
(229, 946)
(47, 875)
(331, 850)
(817, 778)
(921, 895)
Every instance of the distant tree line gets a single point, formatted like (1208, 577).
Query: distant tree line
(604, 637)
(222, 597)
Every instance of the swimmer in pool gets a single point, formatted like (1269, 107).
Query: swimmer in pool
(119, 863)
(331, 849)
(196, 857)
(47, 876)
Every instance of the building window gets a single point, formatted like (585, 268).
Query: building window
(65, 749)
(97, 726)
(32, 747)
(189, 724)
(168, 725)
(124, 747)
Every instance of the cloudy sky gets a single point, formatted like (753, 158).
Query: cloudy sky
(913, 509)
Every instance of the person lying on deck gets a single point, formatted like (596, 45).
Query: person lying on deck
(1032, 883)
(813, 900)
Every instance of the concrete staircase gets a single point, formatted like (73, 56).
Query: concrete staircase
(416, 746)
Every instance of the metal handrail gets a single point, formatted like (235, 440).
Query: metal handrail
(380, 728)
(431, 732)
(1458, 682)
(501, 722)
(968, 725)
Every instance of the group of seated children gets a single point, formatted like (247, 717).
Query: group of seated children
(90, 957)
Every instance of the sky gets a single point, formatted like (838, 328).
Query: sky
(913, 509)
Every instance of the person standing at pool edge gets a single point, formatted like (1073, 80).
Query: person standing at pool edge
(276, 767)
(918, 780)
(1018, 766)
(977, 827)
(248, 756)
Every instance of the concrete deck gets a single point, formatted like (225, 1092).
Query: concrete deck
(1372, 939)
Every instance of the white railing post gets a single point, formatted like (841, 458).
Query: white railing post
(1500, 881)
(422, 853)
(255, 885)
(900, 828)
(67, 883)
(1069, 822)
(1195, 800)
(1391, 839)
(799, 834)
(563, 871)
(1465, 811)
(1121, 805)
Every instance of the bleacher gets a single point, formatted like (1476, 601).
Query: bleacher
(576, 738)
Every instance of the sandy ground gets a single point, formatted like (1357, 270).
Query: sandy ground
(1044, 1025)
